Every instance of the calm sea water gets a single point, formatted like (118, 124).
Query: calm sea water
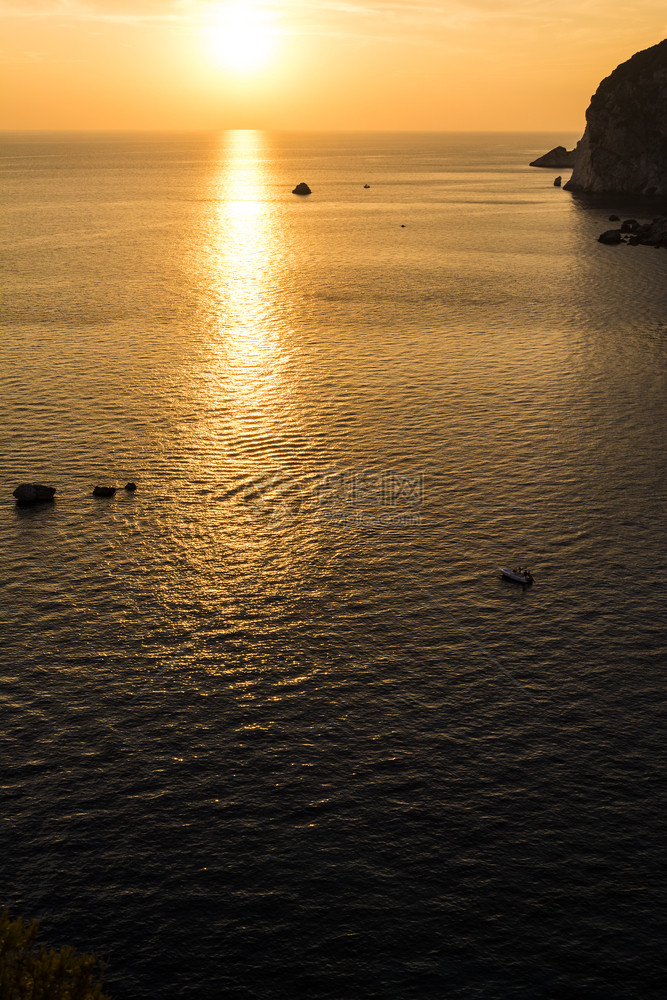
(273, 726)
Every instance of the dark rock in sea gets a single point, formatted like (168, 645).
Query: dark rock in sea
(611, 237)
(366, 186)
(629, 226)
(130, 487)
(104, 491)
(614, 218)
(28, 494)
(302, 189)
(633, 241)
(557, 157)
(558, 181)
(624, 147)
(402, 225)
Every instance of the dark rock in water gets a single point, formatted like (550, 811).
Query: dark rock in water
(624, 147)
(104, 491)
(633, 241)
(402, 225)
(611, 237)
(557, 157)
(302, 189)
(629, 226)
(130, 487)
(614, 218)
(558, 181)
(30, 493)
(366, 185)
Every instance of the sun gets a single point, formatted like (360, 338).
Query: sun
(241, 37)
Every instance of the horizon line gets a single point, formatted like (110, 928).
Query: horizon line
(315, 131)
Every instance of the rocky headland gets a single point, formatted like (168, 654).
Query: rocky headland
(624, 147)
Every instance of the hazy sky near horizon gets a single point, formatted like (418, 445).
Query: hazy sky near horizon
(314, 64)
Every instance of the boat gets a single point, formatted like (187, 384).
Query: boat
(518, 574)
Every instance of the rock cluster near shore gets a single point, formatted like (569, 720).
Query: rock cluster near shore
(634, 233)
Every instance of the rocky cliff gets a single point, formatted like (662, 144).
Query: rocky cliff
(624, 147)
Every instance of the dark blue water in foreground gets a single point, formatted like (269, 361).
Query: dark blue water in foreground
(273, 725)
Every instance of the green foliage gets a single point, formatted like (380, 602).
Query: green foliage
(29, 971)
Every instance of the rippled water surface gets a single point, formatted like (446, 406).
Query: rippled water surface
(273, 726)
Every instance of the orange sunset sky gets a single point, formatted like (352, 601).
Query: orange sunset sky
(314, 64)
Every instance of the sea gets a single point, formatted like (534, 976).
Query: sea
(273, 725)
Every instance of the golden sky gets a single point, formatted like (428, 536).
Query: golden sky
(314, 64)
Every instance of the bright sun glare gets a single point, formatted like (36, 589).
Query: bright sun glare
(241, 36)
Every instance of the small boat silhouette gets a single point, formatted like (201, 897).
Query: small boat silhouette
(519, 575)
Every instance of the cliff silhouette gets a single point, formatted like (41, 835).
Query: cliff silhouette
(624, 147)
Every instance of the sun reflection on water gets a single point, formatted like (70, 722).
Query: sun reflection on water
(246, 264)
(252, 427)
(247, 244)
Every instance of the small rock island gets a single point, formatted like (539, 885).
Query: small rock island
(29, 494)
(556, 158)
(302, 188)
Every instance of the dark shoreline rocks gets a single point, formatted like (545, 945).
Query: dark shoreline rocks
(104, 491)
(557, 158)
(647, 234)
(29, 494)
